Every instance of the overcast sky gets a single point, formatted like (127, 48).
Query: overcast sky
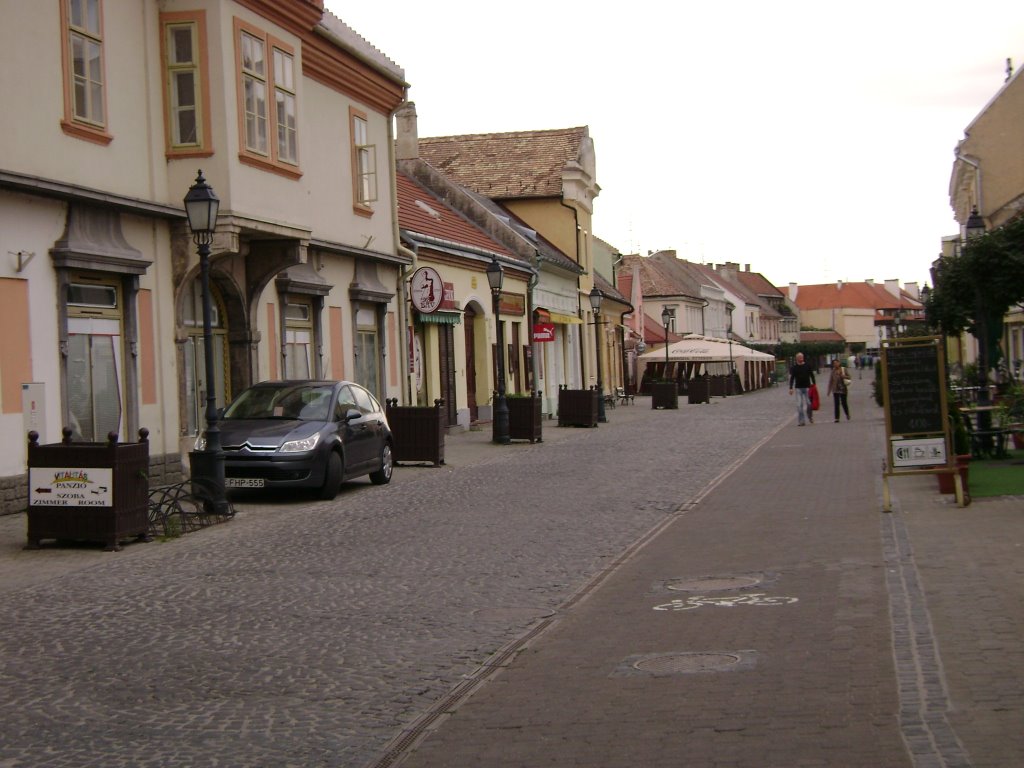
(811, 139)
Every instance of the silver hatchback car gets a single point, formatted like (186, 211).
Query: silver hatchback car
(305, 434)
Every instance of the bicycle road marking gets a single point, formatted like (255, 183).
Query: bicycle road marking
(724, 601)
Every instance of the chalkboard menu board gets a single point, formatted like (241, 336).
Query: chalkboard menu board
(913, 394)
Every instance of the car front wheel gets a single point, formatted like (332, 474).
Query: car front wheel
(387, 465)
(332, 477)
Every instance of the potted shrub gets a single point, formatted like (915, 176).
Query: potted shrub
(961, 450)
(524, 416)
(1011, 413)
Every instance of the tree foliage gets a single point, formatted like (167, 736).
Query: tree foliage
(977, 286)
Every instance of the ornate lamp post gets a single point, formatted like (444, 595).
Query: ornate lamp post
(728, 332)
(500, 430)
(975, 227)
(595, 305)
(201, 206)
(666, 318)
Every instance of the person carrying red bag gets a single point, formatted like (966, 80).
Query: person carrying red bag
(801, 379)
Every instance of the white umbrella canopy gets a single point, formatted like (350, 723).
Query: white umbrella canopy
(706, 355)
(704, 349)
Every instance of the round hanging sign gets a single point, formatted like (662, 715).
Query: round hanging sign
(426, 290)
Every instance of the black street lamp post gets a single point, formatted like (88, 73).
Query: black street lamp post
(595, 305)
(666, 318)
(207, 464)
(728, 332)
(500, 430)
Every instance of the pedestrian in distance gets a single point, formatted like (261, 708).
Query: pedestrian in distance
(801, 377)
(839, 387)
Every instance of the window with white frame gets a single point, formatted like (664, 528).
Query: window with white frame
(298, 339)
(94, 357)
(267, 98)
(367, 351)
(84, 82)
(364, 162)
(187, 107)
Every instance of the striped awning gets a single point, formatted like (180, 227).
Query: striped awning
(440, 318)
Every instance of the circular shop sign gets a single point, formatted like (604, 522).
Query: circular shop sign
(427, 290)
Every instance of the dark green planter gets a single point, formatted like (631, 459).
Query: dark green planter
(664, 394)
(524, 418)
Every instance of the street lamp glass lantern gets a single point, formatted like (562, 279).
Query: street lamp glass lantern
(666, 317)
(975, 224)
(595, 300)
(495, 275)
(201, 207)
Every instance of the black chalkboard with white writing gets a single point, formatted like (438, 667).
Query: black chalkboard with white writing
(913, 389)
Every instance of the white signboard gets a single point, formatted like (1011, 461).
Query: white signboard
(71, 487)
(924, 452)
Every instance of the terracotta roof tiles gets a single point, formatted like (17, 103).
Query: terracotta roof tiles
(506, 166)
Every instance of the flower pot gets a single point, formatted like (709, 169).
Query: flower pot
(946, 483)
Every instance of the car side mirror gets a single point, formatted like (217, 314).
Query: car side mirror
(352, 414)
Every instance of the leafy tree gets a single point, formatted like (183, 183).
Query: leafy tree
(975, 287)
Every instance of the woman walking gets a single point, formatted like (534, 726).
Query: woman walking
(839, 387)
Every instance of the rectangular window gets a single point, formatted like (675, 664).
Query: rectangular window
(298, 340)
(186, 84)
(94, 365)
(267, 97)
(364, 163)
(84, 84)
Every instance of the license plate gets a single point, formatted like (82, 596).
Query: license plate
(243, 482)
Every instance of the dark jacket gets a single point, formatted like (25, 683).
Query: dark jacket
(802, 374)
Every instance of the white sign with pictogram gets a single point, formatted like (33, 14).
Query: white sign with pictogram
(923, 452)
(426, 290)
(70, 487)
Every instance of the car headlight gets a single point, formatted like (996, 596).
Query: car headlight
(299, 446)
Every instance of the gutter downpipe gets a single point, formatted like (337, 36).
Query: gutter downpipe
(402, 289)
(530, 285)
(579, 289)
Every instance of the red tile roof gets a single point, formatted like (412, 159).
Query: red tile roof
(506, 166)
(852, 295)
(421, 212)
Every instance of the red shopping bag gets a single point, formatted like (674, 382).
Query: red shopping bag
(815, 399)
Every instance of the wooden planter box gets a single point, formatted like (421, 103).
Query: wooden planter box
(88, 491)
(577, 407)
(524, 418)
(417, 431)
(664, 394)
(698, 391)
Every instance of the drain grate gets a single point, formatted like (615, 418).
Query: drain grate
(714, 583)
(685, 663)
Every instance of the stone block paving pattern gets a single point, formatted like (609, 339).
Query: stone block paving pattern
(492, 612)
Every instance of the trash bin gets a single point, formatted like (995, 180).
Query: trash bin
(83, 491)
(577, 407)
(698, 390)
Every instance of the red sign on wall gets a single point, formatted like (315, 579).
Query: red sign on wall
(544, 332)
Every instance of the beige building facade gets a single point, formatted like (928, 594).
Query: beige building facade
(288, 114)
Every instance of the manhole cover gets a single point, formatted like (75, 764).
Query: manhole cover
(713, 583)
(677, 663)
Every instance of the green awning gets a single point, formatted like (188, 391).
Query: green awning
(440, 318)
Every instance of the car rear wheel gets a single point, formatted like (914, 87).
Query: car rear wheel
(332, 477)
(387, 465)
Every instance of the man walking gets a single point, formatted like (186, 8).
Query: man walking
(801, 376)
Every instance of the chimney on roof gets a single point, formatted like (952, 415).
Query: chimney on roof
(839, 285)
(794, 289)
(913, 290)
(746, 267)
(407, 144)
(869, 281)
(893, 287)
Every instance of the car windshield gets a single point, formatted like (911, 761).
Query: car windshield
(308, 402)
